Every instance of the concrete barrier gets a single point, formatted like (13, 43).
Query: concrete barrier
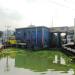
(67, 48)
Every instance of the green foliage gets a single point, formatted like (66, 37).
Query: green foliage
(1, 33)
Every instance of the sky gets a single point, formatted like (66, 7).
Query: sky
(50, 13)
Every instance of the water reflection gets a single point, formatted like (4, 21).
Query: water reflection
(33, 65)
(59, 60)
(62, 61)
(71, 72)
(7, 64)
(42, 65)
(55, 59)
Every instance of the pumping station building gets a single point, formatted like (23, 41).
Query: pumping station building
(41, 37)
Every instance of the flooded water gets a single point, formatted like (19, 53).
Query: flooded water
(34, 63)
(60, 61)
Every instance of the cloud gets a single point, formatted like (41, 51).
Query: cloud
(9, 17)
(30, 1)
(8, 14)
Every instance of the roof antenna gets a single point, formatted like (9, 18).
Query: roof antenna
(31, 23)
(52, 22)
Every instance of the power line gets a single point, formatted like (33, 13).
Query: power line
(62, 5)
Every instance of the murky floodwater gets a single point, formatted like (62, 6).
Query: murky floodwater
(34, 63)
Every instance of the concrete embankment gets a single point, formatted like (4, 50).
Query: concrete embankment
(69, 47)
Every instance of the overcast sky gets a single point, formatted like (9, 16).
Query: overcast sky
(50, 13)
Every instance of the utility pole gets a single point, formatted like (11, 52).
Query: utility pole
(74, 31)
(52, 21)
(7, 64)
(7, 32)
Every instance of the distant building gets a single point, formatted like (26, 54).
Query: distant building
(7, 34)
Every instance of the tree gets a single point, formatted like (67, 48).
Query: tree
(1, 33)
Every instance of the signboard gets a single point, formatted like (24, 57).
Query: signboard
(59, 29)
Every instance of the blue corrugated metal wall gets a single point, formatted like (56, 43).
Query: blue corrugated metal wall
(46, 38)
(20, 34)
(38, 37)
